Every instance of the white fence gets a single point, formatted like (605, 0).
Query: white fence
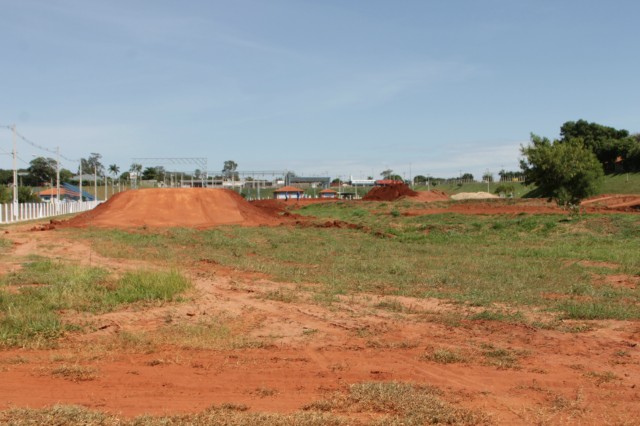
(10, 213)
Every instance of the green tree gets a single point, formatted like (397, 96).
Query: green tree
(27, 195)
(632, 160)
(92, 164)
(154, 173)
(606, 142)
(65, 175)
(114, 170)
(565, 171)
(135, 168)
(509, 175)
(6, 177)
(386, 174)
(420, 180)
(229, 170)
(41, 171)
(467, 177)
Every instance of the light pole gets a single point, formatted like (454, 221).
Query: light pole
(15, 171)
(80, 189)
(58, 174)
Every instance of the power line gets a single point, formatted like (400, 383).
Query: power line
(40, 147)
(11, 153)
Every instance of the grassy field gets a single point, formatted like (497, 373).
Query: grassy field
(623, 183)
(503, 264)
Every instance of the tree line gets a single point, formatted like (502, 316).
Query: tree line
(572, 167)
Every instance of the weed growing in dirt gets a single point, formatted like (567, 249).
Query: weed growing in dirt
(75, 373)
(391, 305)
(29, 314)
(445, 356)
(602, 377)
(281, 295)
(500, 357)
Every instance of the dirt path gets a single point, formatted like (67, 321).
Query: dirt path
(282, 354)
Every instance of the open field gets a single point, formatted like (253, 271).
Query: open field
(402, 312)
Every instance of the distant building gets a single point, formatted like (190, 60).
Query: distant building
(328, 193)
(68, 192)
(288, 193)
(362, 182)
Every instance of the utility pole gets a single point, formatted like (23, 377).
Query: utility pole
(95, 181)
(81, 195)
(58, 173)
(15, 171)
(410, 177)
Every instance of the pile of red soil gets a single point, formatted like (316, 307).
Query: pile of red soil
(175, 207)
(433, 195)
(394, 192)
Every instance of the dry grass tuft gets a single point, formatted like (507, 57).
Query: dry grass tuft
(75, 372)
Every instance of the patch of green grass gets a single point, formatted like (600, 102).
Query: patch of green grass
(147, 286)
(594, 310)
(31, 298)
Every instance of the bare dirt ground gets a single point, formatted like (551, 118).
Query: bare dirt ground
(295, 352)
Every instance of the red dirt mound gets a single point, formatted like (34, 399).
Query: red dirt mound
(389, 193)
(433, 195)
(175, 207)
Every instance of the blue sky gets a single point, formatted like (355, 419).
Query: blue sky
(342, 87)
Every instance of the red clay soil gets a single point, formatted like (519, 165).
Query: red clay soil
(389, 193)
(614, 201)
(175, 207)
(433, 195)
